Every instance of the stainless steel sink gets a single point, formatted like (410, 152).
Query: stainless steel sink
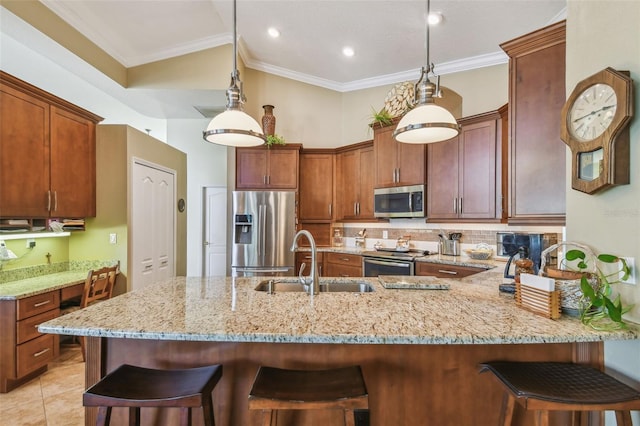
(326, 286)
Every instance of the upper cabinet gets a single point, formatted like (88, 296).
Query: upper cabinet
(397, 164)
(537, 154)
(465, 174)
(47, 154)
(267, 168)
(355, 180)
(316, 185)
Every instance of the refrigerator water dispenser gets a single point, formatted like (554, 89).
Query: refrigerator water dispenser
(243, 231)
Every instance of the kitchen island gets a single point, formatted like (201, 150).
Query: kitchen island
(419, 349)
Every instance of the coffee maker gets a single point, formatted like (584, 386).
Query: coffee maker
(515, 245)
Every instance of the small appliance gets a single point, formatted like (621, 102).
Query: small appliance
(399, 202)
(515, 245)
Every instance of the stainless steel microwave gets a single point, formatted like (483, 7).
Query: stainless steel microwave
(401, 201)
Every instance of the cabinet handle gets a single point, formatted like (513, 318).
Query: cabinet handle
(55, 201)
(398, 175)
(46, 302)
(345, 259)
(49, 200)
(460, 205)
(42, 352)
(355, 209)
(358, 208)
(443, 271)
(455, 205)
(330, 206)
(264, 179)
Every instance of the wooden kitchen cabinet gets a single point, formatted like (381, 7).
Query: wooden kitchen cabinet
(47, 154)
(355, 178)
(343, 265)
(465, 174)
(397, 164)
(441, 270)
(305, 257)
(316, 185)
(263, 168)
(536, 152)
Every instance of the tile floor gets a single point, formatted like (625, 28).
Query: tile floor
(53, 399)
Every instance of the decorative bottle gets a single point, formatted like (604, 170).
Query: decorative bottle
(268, 120)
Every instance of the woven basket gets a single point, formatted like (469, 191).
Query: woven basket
(568, 282)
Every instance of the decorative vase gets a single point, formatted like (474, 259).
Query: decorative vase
(268, 120)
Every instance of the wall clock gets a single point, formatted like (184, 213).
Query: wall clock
(595, 126)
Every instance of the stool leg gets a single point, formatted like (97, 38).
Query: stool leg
(104, 416)
(506, 414)
(349, 417)
(185, 416)
(134, 416)
(207, 412)
(623, 418)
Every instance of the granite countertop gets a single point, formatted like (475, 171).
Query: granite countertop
(19, 289)
(471, 311)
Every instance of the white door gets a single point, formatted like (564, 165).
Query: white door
(153, 224)
(215, 231)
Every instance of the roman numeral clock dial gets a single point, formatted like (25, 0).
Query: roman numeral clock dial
(595, 126)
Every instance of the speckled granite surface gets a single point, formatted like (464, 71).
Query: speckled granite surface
(229, 309)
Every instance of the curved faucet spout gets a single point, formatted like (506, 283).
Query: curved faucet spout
(313, 275)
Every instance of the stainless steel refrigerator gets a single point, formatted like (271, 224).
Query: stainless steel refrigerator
(264, 225)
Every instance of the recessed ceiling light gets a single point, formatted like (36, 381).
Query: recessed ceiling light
(273, 32)
(435, 18)
(348, 51)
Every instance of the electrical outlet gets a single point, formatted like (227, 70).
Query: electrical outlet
(631, 263)
(31, 243)
(113, 238)
(385, 234)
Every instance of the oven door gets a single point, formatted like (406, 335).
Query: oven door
(373, 266)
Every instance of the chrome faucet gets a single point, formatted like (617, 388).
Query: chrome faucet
(314, 283)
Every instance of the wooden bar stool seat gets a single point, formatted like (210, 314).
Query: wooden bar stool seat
(556, 386)
(136, 387)
(335, 389)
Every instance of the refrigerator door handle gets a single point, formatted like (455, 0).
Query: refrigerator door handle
(263, 228)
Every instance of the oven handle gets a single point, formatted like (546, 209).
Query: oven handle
(386, 263)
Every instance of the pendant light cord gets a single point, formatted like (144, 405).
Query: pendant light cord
(426, 39)
(235, 40)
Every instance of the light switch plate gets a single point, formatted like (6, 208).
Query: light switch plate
(113, 238)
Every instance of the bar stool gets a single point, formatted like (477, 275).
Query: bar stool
(556, 386)
(335, 389)
(136, 387)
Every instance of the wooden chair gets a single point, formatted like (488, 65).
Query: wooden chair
(137, 387)
(335, 389)
(556, 386)
(97, 287)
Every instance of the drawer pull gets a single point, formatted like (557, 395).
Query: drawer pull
(447, 272)
(345, 259)
(42, 352)
(37, 305)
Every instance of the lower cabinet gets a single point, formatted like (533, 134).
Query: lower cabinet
(343, 265)
(441, 270)
(304, 257)
(25, 352)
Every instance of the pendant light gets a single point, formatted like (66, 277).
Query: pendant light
(426, 122)
(234, 127)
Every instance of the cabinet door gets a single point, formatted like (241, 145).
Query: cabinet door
(73, 165)
(348, 182)
(316, 186)
(283, 169)
(385, 153)
(366, 177)
(442, 181)
(24, 154)
(445, 271)
(477, 184)
(411, 163)
(251, 168)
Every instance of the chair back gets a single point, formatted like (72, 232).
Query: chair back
(99, 285)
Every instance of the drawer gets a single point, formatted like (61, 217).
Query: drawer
(335, 270)
(71, 292)
(445, 271)
(27, 329)
(344, 259)
(34, 305)
(35, 353)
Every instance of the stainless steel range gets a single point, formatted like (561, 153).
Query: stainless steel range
(390, 261)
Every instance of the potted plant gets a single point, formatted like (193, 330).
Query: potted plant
(598, 310)
(380, 118)
(274, 140)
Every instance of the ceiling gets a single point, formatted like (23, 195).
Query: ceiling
(388, 36)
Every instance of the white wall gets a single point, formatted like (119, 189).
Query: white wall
(206, 166)
(602, 34)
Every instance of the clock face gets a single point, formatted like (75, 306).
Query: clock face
(592, 112)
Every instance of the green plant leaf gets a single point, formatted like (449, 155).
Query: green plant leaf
(607, 258)
(587, 290)
(615, 312)
(575, 254)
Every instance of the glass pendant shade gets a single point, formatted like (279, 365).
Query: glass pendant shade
(426, 124)
(234, 128)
